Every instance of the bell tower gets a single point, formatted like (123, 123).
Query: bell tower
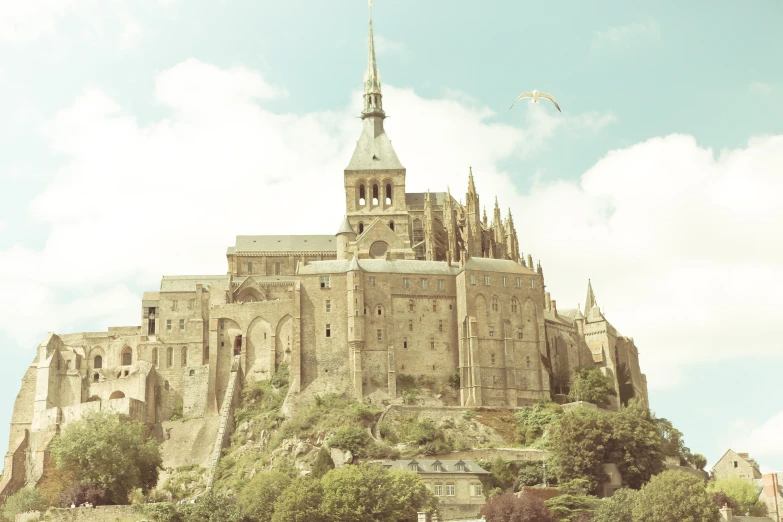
(374, 178)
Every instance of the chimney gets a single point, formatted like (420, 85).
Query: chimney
(548, 301)
(726, 514)
(554, 307)
(530, 262)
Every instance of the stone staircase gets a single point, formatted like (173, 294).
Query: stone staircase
(226, 428)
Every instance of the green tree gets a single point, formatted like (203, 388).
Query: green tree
(26, 499)
(742, 492)
(210, 508)
(323, 463)
(675, 496)
(111, 452)
(532, 421)
(531, 473)
(572, 508)
(300, 502)
(618, 508)
(579, 444)
(699, 461)
(369, 492)
(589, 384)
(257, 499)
(636, 445)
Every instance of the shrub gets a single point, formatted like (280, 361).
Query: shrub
(257, 498)
(26, 499)
(510, 508)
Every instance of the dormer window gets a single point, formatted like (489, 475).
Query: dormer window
(437, 466)
(413, 466)
(460, 466)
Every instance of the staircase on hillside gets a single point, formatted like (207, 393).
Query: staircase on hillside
(230, 401)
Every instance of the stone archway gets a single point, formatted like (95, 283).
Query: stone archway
(260, 350)
(284, 337)
(117, 395)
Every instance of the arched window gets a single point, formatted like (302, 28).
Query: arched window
(391, 225)
(388, 194)
(495, 303)
(362, 196)
(127, 357)
(277, 268)
(170, 360)
(361, 227)
(514, 306)
(250, 267)
(366, 308)
(375, 194)
(97, 362)
(184, 356)
(155, 357)
(380, 310)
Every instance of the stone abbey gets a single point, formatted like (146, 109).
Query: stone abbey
(412, 284)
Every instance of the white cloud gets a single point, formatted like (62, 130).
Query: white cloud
(3, 225)
(762, 88)
(616, 35)
(29, 20)
(679, 242)
(761, 441)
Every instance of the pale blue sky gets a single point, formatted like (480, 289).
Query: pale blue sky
(623, 73)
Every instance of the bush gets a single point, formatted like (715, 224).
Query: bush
(532, 421)
(26, 499)
(323, 463)
(510, 508)
(618, 508)
(589, 384)
(257, 498)
(673, 496)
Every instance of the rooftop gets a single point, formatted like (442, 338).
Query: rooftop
(429, 466)
(285, 243)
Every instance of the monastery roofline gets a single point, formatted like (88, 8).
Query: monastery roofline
(410, 266)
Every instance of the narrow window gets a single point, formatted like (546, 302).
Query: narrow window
(473, 279)
(181, 325)
(486, 280)
(324, 281)
(438, 490)
(410, 325)
(527, 361)
(151, 321)
(361, 227)
(479, 490)
(495, 303)
(532, 283)
(432, 343)
(405, 282)
(434, 306)
(168, 325)
(449, 490)
(492, 331)
(519, 333)
(424, 283)
(372, 281)
(277, 268)
(170, 357)
(250, 267)
(328, 330)
(410, 305)
(174, 305)
(391, 225)
(493, 359)
(441, 284)
(375, 194)
(405, 342)
(362, 196)
(191, 304)
(505, 281)
(380, 310)
(388, 194)
(380, 334)
(519, 282)
(97, 363)
(184, 356)
(328, 306)
(440, 325)
(96, 377)
(514, 306)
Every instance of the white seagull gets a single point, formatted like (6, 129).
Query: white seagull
(536, 95)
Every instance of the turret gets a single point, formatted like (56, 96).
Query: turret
(344, 236)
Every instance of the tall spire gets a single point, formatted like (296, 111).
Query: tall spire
(590, 298)
(372, 79)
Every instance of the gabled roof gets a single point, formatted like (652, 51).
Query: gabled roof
(496, 265)
(446, 466)
(286, 243)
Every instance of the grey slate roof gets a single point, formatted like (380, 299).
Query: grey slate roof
(188, 283)
(346, 227)
(374, 149)
(426, 466)
(285, 243)
(417, 198)
(496, 265)
(393, 266)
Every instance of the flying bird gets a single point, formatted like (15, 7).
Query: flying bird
(536, 95)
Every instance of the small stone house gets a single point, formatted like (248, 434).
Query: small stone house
(771, 494)
(455, 483)
(737, 464)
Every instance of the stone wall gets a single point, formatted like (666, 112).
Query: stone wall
(97, 514)
(194, 395)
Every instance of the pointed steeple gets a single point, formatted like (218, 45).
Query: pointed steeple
(429, 229)
(346, 228)
(486, 223)
(471, 184)
(497, 218)
(373, 106)
(590, 298)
